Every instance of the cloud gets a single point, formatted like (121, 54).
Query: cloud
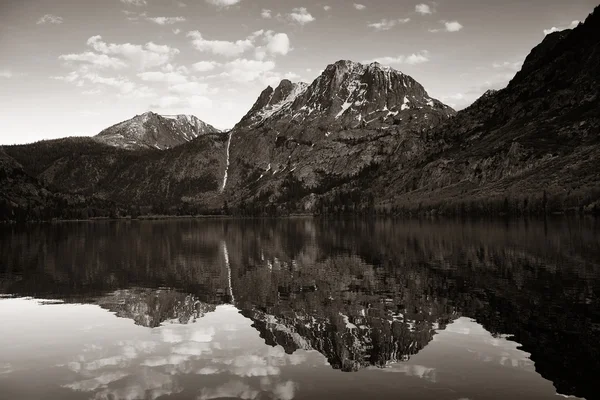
(181, 4)
(266, 14)
(95, 59)
(124, 86)
(147, 56)
(205, 66)
(179, 103)
(360, 6)
(177, 31)
(301, 16)
(232, 389)
(277, 43)
(50, 19)
(412, 59)
(137, 3)
(423, 9)
(326, 8)
(453, 26)
(223, 3)
(385, 24)
(514, 66)
(561, 28)
(158, 76)
(166, 20)
(244, 70)
(220, 47)
(5, 73)
(192, 88)
(449, 26)
(70, 77)
(272, 44)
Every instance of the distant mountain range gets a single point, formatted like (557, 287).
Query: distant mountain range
(151, 130)
(360, 138)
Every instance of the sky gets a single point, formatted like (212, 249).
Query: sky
(73, 68)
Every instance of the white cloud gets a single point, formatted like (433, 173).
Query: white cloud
(124, 86)
(70, 77)
(95, 59)
(514, 66)
(359, 6)
(146, 56)
(220, 47)
(244, 70)
(561, 28)
(158, 76)
(412, 59)
(177, 31)
(266, 14)
(326, 8)
(301, 16)
(423, 9)
(272, 44)
(223, 3)
(453, 26)
(386, 24)
(181, 4)
(278, 43)
(196, 88)
(449, 26)
(50, 19)
(166, 20)
(182, 103)
(205, 66)
(137, 3)
(5, 73)
(233, 389)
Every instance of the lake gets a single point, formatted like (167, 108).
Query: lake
(300, 309)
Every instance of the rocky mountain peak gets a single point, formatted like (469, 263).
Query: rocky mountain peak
(271, 101)
(151, 130)
(346, 94)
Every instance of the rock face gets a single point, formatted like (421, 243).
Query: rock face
(151, 130)
(309, 138)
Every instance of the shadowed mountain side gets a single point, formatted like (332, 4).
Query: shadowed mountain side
(531, 147)
(24, 197)
(189, 174)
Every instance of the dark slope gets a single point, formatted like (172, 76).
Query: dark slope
(189, 174)
(534, 145)
(24, 197)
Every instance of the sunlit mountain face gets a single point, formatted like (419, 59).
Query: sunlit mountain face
(280, 309)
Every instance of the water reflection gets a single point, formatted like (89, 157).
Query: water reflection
(273, 308)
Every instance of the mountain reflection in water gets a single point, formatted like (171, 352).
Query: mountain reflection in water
(255, 309)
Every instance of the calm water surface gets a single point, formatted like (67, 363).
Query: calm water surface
(300, 309)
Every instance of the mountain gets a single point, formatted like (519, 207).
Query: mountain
(529, 148)
(299, 139)
(363, 138)
(168, 181)
(24, 197)
(151, 130)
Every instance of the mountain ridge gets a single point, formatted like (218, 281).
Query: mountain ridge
(367, 138)
(151, 130)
